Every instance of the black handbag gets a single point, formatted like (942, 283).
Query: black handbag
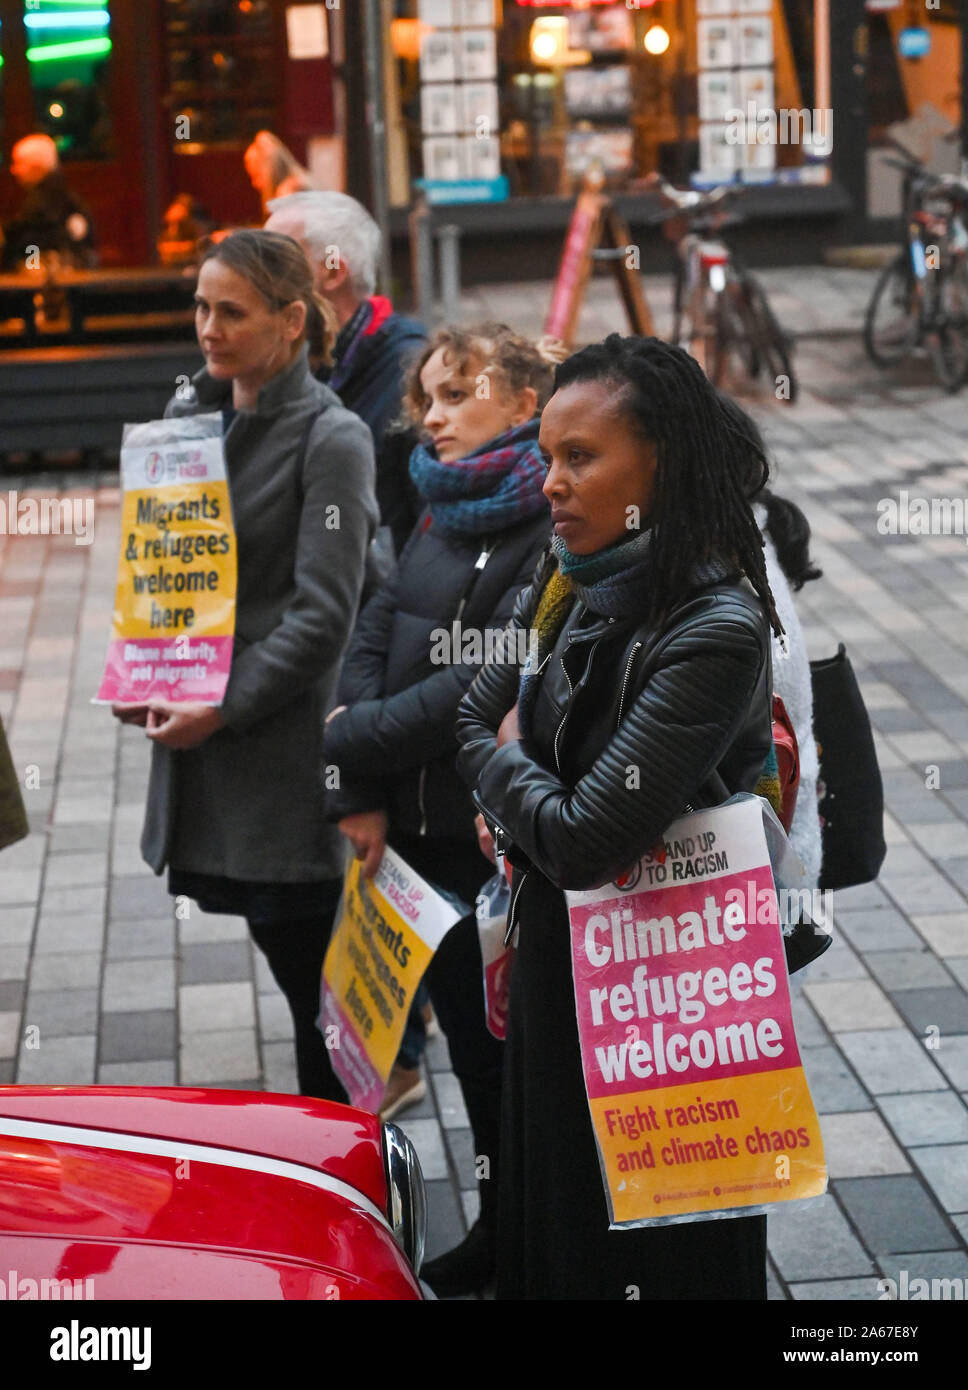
(850, 789)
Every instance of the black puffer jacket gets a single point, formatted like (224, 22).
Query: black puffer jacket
(395, 744)
(630, 723)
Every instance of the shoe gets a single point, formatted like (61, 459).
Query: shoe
(468, 1268)
(405, 1088)
(804, 945)
(431, 1026)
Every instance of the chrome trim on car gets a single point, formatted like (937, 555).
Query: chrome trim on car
(406, 1194)
(185, 1149)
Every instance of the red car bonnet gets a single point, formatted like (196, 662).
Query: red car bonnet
(346, 1142)
(194, 1194)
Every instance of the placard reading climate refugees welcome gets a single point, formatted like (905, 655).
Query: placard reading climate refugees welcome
(695, 1086)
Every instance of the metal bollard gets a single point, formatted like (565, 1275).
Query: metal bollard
(422, 260)
(448, 239)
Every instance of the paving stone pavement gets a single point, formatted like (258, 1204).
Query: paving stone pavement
(100, 982)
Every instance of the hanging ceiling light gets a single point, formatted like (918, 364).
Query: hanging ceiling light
(656, 40)
(549, 39)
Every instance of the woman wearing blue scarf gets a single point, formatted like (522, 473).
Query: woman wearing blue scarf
(653, 619)
(417, 646)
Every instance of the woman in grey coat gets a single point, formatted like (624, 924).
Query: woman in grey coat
(235, 802)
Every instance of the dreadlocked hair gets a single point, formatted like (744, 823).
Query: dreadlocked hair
(788, 528)
(700, 510)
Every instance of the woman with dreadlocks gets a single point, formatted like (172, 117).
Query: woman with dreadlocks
(653, 616)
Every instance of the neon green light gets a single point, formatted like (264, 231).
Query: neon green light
(79, 48)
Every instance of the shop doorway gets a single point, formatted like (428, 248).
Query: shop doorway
(913, 95)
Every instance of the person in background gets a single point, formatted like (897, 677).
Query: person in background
(375, 346)
(186, 222)
(50, 216)
(274, 170)
(477, 394)
(786, 543)
(13, 817)
(236, 798)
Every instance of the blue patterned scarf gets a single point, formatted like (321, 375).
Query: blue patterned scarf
(612, 582)
(496, 486)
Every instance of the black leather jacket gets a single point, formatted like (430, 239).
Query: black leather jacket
(631, 725)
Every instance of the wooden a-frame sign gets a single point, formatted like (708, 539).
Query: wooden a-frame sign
(595, 227)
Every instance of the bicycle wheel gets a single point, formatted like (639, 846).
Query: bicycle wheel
(699, 333)
(734, 330)
(727, 340)
(891, 324)
(678, 294)
(947, 322)
(769, 342)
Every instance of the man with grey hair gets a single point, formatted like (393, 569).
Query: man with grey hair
(50, 218)
(374, 346)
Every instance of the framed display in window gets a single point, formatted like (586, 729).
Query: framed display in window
(478, 53)
(717, 157)
(481, 158)
(443, 158)
(475, 14)
(756, 86)
(439, 114)
(718, 94)
(716, 43)
(596, 92)
(438, 57)
(755, 41)
(479, 107)
(439, 14)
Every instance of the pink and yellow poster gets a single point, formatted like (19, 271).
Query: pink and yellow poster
(174, 607)
(386, 932)
(695, 1086)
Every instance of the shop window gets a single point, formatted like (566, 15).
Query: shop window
(222, 71)
(704, 91)
(914, 97)
(69, 58)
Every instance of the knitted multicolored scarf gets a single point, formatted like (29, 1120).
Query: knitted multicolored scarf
(496, 486)
(609, 582)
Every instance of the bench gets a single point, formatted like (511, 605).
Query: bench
(55, 399)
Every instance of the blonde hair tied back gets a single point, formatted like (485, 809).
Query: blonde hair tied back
(278, 270)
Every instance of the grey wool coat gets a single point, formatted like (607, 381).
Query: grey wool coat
(248, 803)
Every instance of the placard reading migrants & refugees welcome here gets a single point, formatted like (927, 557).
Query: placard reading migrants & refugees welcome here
(174, 607)
(696, 1091)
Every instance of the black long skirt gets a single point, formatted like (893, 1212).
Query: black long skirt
(553, 1236)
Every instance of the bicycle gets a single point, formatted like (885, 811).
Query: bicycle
(921, 297)
(725, 309)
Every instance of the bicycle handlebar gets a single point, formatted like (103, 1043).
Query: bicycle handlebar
(690, 199)
(929, 181)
